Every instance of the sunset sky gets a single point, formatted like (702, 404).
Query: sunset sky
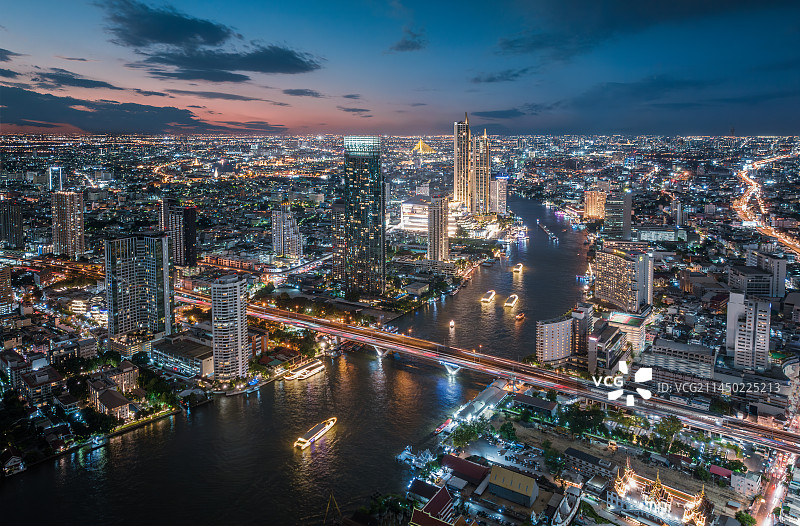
(401, 67)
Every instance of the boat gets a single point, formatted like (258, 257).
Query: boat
(452, 324)
(489, 296)
(314, 433)
(444, 425)
(316, 367)
(511, 301)
(520, 316)
(298, 374)
(518, 267)
(454, 292)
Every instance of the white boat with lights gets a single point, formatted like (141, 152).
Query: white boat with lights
(300, 371)
(316, 367)
(452, 324)
(489, 296)
(518, 267)
(314, 433)
(511, 301)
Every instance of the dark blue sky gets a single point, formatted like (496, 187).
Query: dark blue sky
(568, 66)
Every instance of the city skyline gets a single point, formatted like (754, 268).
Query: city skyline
(138, 67)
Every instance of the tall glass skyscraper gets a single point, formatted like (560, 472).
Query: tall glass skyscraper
(180, 222)
(286, 239)
(229, 327)
(481, 174)
(68, 237)
(362, 258)
(462, 187)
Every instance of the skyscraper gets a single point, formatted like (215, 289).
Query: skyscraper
(624, 278)
(68, 238)
(338, 240)
(594, 204)
(618, 216)
(55, 179)
(6, 294)
(481, 174)
(364, 229)
(11, 224)
(749, 319)
(462, 189)
(229, 327)
(180, 222)
(498, 192)
(139, 291)
(286, 240)
(438, 242)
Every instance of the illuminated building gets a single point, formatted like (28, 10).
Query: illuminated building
(55, 179)
(438, 241)
(338, 239)
(462, 187)
(11, 224)
(286, 239)
(617, 220)
(68, 237)
(498, 192)
(6, 294)
(748, 331)
(180, 222)
(229, 327)
(422, 148)
(607, 347)
(481, 174)
(554, 339)
(139, 291)
(625, 279)
(775, 265)
(697, 511)
(364, 230)
(594, 204)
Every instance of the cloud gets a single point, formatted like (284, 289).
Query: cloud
(73, 59)
(7, 73)
(627, 94)
(416, 104)
(756, 98)
(147, 93)
(507, 75)
(212, 95)
(513, 113)
(535, 108)
(351, 96)
(560, 30)
(175, 45)
(138, 25)
(221, 95)
(353, 110)
(6, 55)
(24, 107)
(261, 126)
(300, 92)
(57, 78)
(410, 41)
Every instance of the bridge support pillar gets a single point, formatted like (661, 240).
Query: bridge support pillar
(452, 369)
(381, 352)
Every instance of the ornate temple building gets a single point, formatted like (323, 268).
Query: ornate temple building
(651, 502)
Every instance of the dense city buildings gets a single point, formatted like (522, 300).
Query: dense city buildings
(180, 222)
(68, 233)
(229, 328)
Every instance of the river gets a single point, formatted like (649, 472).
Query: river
(233, 461)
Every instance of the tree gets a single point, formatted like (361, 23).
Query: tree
(668, 427)
(140, 358)
(507, 431)
(777, 511)
(580, 421)
(745, 519)
(552, 395)
(702, 473)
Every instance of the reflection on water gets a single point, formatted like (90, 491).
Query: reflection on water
(233, 461)
(546, 288)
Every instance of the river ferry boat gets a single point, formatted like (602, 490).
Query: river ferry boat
(314, 433)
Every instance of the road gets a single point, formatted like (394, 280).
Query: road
(504, 368)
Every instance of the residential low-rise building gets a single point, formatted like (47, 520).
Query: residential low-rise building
(38, 386)
(513, 485)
